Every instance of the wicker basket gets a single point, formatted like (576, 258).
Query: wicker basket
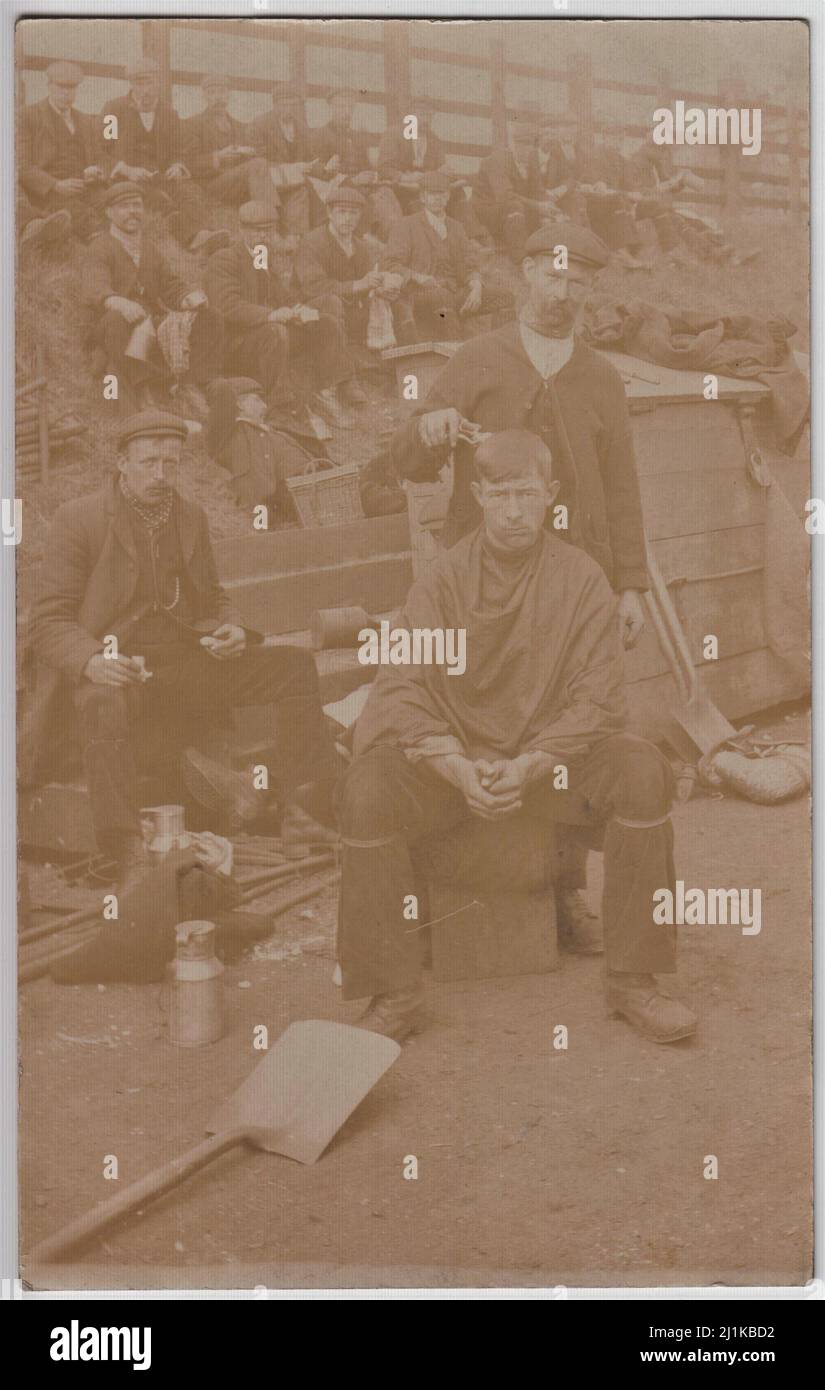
(326, 496)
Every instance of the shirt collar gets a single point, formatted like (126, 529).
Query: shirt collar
(548, 355)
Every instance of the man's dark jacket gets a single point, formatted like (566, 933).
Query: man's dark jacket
(492, 382)
(156, 149)
(87, 581)
(203, 135)
(242, 294)
(396, 155)
(48, 150)
(108, 270)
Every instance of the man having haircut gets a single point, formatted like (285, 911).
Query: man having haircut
(543, 686)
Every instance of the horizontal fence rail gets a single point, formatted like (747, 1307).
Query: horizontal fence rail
(481, 79)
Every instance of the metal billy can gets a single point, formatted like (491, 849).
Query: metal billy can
(196, 991)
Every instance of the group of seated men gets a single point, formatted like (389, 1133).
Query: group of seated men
(362, 247)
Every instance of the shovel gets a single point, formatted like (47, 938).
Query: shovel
(293, 1103)
(694, 710)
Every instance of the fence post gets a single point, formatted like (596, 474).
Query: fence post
(157, 44)
(580, 97)
(498, 87)
(296, 38)
(398, 99)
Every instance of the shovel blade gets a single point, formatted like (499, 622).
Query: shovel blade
(308, 1084)
(703, 722)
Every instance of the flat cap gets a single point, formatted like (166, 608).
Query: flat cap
(214, 79)
(258, 214)
(151, 424)
(582, 244)
(119, 192)
(434, 182)
(346, 197)
(142, 67)
(69, 74)
(244, 385)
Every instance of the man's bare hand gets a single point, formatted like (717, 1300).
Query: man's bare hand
(283, 315)
(226, 642)
(129, 309)
(113, 670)
(631, 617)
(472, 303)
(69, 186)
(482, 800)
(439, 427)
(504, 779)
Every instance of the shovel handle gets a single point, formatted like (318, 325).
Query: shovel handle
(159, 1180)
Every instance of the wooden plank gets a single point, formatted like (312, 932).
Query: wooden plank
(285, 552)
(691, 557)
(683, 504)
(285, 603)
(682, 437)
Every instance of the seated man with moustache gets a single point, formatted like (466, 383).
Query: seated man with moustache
(543, 687)
(267, 324)
(439, 266)
(219, 151)
(133, 563)
(129, 286)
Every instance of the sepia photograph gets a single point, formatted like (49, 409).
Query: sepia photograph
(412, 520)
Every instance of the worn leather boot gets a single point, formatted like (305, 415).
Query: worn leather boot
(395, 1015)
(580, 930)
(639, 999)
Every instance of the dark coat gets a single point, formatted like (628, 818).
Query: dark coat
(49, 152)
(243, 295)
(154, 149)
(203, 135)
(108, 269)
(266, 134)
(498, 179)
(352, 146)
(414, 245)
(492, 382)
(396, 155)
(87, 581)
(320, 266)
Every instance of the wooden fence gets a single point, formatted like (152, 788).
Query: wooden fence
(397, 48)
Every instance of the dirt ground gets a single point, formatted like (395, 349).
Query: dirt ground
(536, 1167)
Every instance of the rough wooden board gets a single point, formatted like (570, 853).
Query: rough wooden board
(672, 383)
(506, 934)
(739, 686)
(284, 552)
(685, 504)
(286, 602)
(683, 437)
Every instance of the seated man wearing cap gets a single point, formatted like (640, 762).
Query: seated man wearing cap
(131, 621)
(511, 197)
(542, 689)
(147, 151)
(284, 139)
(334, 266)
(59, 155)
(220, 152)
(439, 265)
(267, 326)
(128, 287)
(536, 374)
(240, 440)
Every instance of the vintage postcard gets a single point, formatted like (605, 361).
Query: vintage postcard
(412, 522)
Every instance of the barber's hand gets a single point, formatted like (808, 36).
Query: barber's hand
(129, 309)
(439, 427)
(472, 303)
(113, 670)
(225, 642)
(631, 617)
(69, 186)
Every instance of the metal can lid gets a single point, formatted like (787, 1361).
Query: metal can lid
(195, 940)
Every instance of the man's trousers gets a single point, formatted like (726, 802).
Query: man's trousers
(387, 804)
(188, 683)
